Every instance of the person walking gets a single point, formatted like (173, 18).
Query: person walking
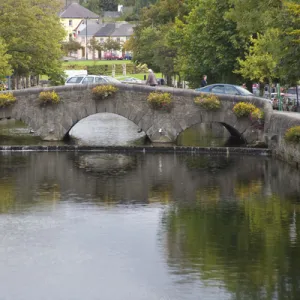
(204, 81)
(151, 79)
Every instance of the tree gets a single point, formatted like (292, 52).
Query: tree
(111, 44)
(5, 68)
(98, 6)
(33, 35)
(263, 57)
(71, 46)
(94, 46)
(207, 43)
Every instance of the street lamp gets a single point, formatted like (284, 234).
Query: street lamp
(86, 52)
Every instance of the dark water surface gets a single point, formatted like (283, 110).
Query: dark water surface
(155, 226)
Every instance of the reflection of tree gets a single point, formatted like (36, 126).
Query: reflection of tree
(7, 196)
(206, 162)
(245, 244)
(160, 193)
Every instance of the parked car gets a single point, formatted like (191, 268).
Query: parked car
(110, 56)
(227, 89)
(90, 79)
(131, 80)
(110, 79)
(128, 56)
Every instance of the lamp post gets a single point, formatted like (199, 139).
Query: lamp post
(86, 52)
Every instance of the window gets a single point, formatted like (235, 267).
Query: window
(230, 90)
(218, 89)
(118, 40)
(88, 79)
(75, 80)
(99, 80)
(70, 22)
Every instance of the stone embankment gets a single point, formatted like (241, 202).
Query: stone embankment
(275, 131)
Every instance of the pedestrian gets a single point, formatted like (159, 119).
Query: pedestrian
(151, 78)
(204, 82)
(244, 86)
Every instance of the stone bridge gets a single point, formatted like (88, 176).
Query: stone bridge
(54, 121)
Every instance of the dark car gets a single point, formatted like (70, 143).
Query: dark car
(229, 89)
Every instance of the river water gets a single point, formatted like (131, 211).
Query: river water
(148, 226)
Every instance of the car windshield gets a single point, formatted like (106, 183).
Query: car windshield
(76, 79)
(243, 91)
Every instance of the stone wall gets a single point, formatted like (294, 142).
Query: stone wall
(53, 122)
(275, 131)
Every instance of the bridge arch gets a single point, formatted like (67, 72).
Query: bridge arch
(53, 122)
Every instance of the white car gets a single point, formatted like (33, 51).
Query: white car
(90, 79)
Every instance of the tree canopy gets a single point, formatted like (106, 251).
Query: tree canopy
(32, 34)
(229, 40)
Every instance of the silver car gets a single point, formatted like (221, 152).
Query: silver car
(90, 79)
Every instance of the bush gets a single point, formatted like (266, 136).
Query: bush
(243, 109)
(208, 102)
(49, 97)
(7, 99)
(103, 91)
(160, 101)
(293, 134)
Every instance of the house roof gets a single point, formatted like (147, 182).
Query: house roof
(123, 30)
(106, 30)
(75, 10)
(92, 27)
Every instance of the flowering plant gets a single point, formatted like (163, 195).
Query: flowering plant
(49, 97)
(293, 134)
(243, 109)
(160, 101)
(7, 99)
(103, 91)
(208, 102)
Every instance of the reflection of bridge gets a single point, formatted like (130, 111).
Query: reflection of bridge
(53, 122)
(173, 177)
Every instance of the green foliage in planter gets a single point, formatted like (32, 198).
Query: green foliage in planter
(293, 134)
(257, 114)
(243, 109)
(103, 91)
(49, 97)
(160, 101)
(7, 99)
(208, 102)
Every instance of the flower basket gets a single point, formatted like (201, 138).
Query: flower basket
(292, 135)
(243, 109)
(160, 101)
(103, 91)
(49, 98)
(7, 99)
(208, 102)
